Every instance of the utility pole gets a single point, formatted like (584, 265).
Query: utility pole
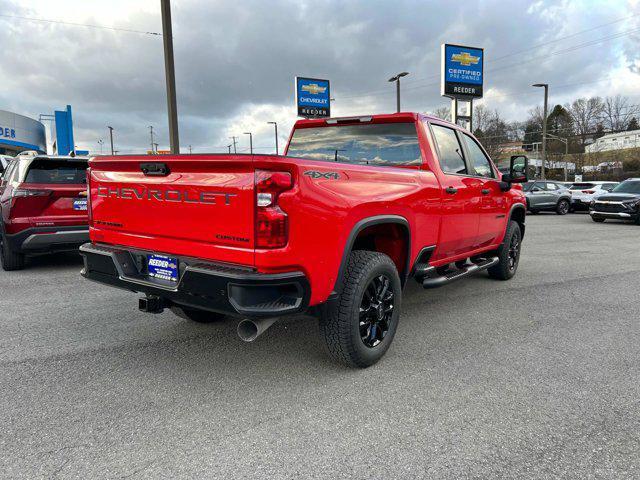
(111, 137)
(170, 74)
(234, 144)
(397, 80)
(275, 124)
(100, 142)
(151, 130)
(544, 126)
(250, 141)
(189, 149)
(566, 151)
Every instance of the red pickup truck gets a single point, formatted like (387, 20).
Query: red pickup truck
(335, 227)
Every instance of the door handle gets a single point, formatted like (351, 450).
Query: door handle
(486, 191)
(451, 190)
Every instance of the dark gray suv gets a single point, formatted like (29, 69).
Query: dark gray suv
(547, 195)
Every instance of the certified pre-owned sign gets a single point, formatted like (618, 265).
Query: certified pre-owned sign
(462, 71)
(313, 97)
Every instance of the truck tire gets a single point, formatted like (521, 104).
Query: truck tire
(360, 328)
(508, 254)
(195, 315)
(563, 207)
(10, 260)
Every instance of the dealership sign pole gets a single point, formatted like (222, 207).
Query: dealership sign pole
(313, 97)
(462, 79)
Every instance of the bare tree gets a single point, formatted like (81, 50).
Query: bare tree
(617, 112)
(444, 113)
(585, 114)
(481, 119)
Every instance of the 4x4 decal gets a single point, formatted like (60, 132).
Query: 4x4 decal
(327, 175)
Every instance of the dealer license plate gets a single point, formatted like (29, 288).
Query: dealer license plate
(80, 204)
(162, 267)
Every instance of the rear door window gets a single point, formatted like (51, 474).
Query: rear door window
(477, 159)
(449, 150)
(45, 170)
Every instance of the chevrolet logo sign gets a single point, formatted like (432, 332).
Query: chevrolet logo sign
(313, 88)
(465, 58)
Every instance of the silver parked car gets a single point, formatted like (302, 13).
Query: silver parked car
(547, 195)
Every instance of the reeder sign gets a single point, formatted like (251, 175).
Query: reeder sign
(313, 97)
(462, 71)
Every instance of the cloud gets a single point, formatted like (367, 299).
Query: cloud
(235, 61)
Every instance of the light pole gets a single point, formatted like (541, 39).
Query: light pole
(234, 144)
(544, 125)
(275, 124)
(397, 80)
(189, 149)
(250, 141)
(151, 132)
(229, 147)
(170, 75)
(111, 138)
(100, 142)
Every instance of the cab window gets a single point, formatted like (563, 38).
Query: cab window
(449, 150)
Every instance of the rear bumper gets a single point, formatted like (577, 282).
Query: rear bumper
(48, 239)
(205, 285)
(578, 204)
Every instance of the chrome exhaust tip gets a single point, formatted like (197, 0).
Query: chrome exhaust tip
(249, 330)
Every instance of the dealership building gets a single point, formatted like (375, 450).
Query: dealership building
(19, 133)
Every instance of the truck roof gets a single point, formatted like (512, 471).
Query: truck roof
(380, 118)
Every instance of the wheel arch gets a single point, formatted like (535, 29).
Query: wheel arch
(388, 234)
(518, 213)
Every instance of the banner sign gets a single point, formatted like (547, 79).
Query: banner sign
(313, 98)
(462, 71)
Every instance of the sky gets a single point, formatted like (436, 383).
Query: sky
(236, 60)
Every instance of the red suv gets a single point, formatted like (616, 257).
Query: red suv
(43, 201)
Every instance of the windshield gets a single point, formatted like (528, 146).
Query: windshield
(45, 170)
(370, 144)
(527, 186)
(628, 187)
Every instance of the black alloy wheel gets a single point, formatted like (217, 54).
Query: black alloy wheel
(514, 251)
(563, 207)
(376, 310)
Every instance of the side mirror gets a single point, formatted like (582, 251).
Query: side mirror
(518, 168)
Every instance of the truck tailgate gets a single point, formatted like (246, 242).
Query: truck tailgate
(200, 206)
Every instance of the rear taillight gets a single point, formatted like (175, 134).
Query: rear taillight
(89, 197)
(272, 224)
(588, 191)
(26, 192)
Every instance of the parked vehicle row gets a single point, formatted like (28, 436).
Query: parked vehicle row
(562, 198)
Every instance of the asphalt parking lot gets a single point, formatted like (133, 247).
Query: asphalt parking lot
(538, 377)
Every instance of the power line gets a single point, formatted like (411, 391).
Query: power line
(73, 24)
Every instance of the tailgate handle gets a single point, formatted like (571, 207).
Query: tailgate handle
(155, 169)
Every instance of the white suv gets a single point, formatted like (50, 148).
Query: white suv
(583, 192)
